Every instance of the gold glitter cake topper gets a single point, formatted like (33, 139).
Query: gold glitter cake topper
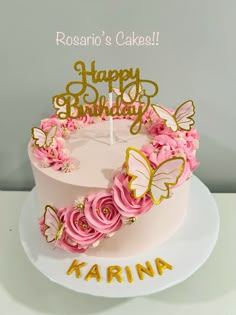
(82, 98)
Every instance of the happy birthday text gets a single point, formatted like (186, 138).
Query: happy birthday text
(73, 103)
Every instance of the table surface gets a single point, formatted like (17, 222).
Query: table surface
(23, 290)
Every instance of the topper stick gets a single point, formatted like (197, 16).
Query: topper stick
(111, 120)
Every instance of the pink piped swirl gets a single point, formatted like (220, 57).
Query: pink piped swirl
(85, 120)
(47, 123)
(42, 225)
(126, 204)
(56, 156)
(101, 213)
(78, 229)
(69, 244)
(167, 144)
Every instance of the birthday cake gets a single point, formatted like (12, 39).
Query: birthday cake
(112, 177)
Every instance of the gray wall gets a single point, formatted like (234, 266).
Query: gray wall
(195, 59)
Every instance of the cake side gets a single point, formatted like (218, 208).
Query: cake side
(101, 166)
(92, 190)
(150, 230)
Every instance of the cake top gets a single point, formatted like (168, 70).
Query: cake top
(147, 174)
(95, 160)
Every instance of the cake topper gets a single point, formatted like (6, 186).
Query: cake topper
(131, 89)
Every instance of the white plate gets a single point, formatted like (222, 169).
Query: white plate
(186, 251)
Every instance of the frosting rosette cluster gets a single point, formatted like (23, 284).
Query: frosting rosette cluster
(78, 228)
(78, 234)
(102, 213)
(57, 154)
(132, 192)
(127, 205)
(167, 144)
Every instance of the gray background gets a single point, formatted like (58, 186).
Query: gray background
(195, 60)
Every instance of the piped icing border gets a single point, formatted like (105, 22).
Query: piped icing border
(147, 177)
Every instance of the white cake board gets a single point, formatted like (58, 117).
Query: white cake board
(186, 251)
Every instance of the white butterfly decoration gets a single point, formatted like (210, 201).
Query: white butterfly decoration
(128, 97)
(181, 119)
(145, 179)
(55, 228)
(42, 138)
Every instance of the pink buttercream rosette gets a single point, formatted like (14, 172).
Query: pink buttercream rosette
(167, 144)
(57, 155)
(102, 213)
(126, 204)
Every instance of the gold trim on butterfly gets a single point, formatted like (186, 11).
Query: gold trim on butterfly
(46, 133)
(165, 120)
(60, 229)
(133, 176)
(173, 116)
(190, 117)
(169, 184)
(152, 173)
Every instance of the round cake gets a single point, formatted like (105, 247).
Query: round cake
(112, 199)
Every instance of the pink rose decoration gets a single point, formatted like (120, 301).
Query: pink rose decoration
(47, 123)
(165, 153)
(64, 126)
(41, 225)
(167, 144)
(123, 200)
(56, 156)
(156, 127)
(101, 213)
(78, 228)
(70, 124)
(161, 140)
(67, 242)
(157, 155)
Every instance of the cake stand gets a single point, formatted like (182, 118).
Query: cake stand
(186, 251)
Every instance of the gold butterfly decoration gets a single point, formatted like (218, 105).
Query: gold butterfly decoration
(181, 119)
(55, 228)
(42, 138)
(145, 180)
